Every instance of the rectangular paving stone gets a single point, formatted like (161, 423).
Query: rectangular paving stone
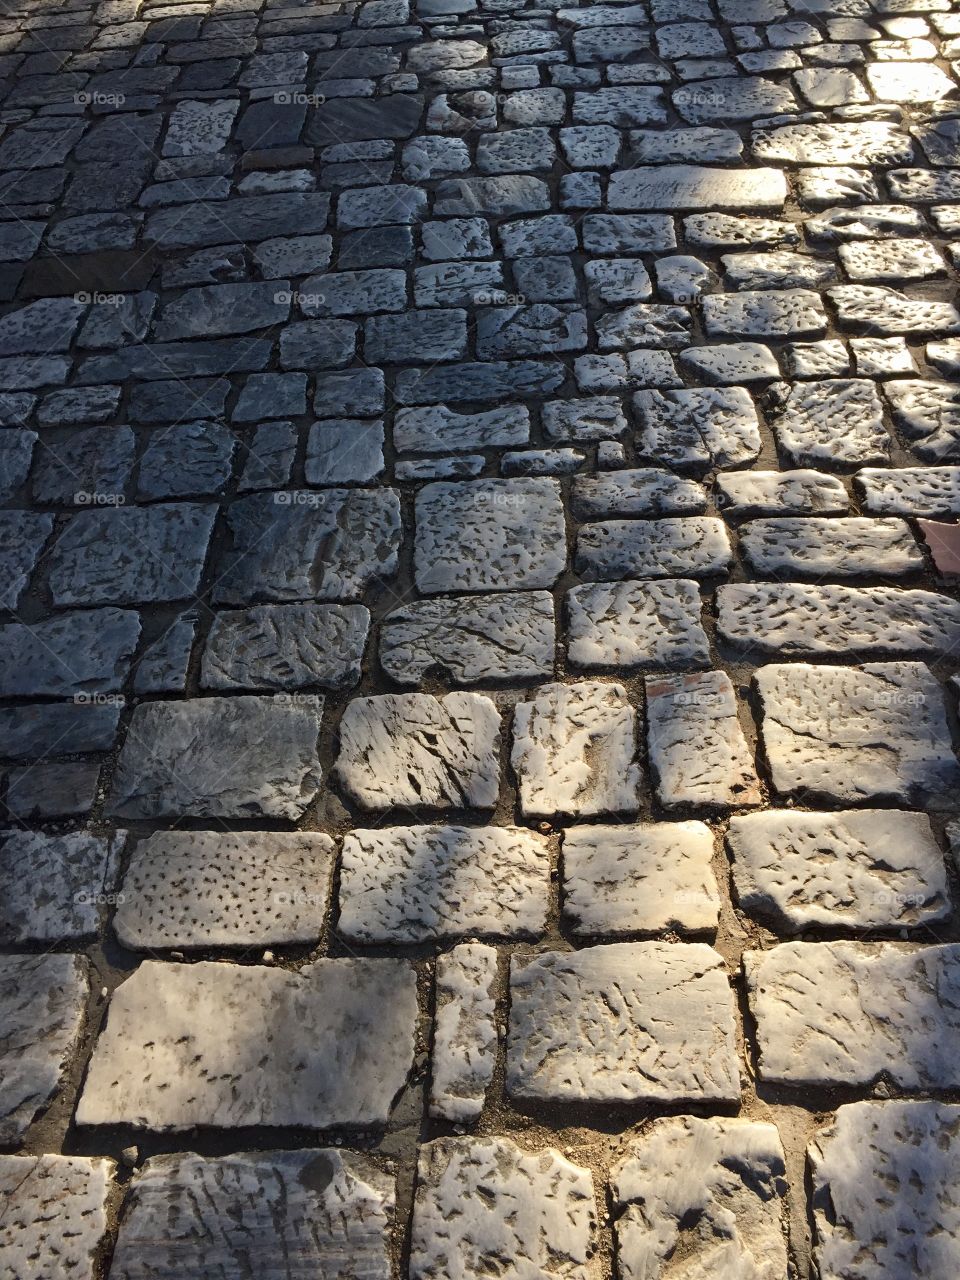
(697, 428)
(879, 311)
(623, 1023)
(640, 491)
(695, 546)
(781, 493)
(910, 491)
(416, 335)
(56, 1217)
(228, 1046)
(845, 1013)
(836, 422)
(43, 730)
(765, 313)
(240, 221)
(465, 1032)
(439, 429)
(87, 652)
(636, 626)
(417, 884)
(483, 380)
(690, 186)
(52, 887)
(813, 546)
(288, 646)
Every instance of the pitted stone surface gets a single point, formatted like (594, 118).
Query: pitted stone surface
(802, 492)
(52, 887)
(87, 652)
(822, 548)
(286, 647)
(832, 423)
(698, 429)
(698, 546)
(465, 1036)
(56, 1215)
(636, 626)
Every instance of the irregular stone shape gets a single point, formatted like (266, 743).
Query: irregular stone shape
(500, 196)
(395, 115)
(239, 221)
(200, 889)
(227, 1046)
(67, 789)
(644, 325)
(849, 142)
(779, 269)
(616, 233)
(163, 667)
(891, 1010)
(838, 422)
(624, 1023)
(928, 413)
(765, 313)
(758, 493)
(286, 646)
(51, 887)
(642, 491)
(891, 260)
(879, 310)
(911, 491)
(465, 1032)
(690, 186)
(865, 222)
(539, 329)
(730, 99)
(648, 878)
(87, 652)
(199, 128)
(130, 554)
(733, 362)
(698, 428)
(16, 454)
(490, 535)
(884, 1199)
(817, 547)
(56, 1215)
(626, 106)
(696, 747)
(416, 335)
(573, 750)
(797, 620)
(484, 1198)
(44, 729)
(437, 429)
(415, 750)
(220, 758)
(418, 884)
(696, 546)
(302, 544)
(636, 626)
(909, 82)
(317, 1211)
(42, 1004)
(727, 231)
(713, 1189)
(471, 639)
(593, 418)
(859, 868)
(483, 380)
(218, 310)
(43, 326)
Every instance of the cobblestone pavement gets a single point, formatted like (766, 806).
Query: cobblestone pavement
(478, 695)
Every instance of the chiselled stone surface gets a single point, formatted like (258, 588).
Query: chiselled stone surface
(88, 652)
(814, 546)
(833, 423)
(288, 646)
(781, 493)
(697, 546)
(52, 887)
(911, 491)
(636, 626)
(698, 428)
(465, 1034)
(56, 1215)
(684, 186)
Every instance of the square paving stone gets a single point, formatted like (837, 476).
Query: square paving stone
(489, 535)
(42, 1004)
(847, 1013)
(84, 653)
(832, 423)
(636, 626)
(412, 750)
(53, 886)
(634, 879)
(344, 451)
(286, 647)
(228, 1046)
(624, 1023)
(200, 889)
(858, 733)
(695, 546)
(220, 757)
(698, 428)
(56, 1216)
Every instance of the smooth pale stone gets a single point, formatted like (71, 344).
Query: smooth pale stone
(696, 546)
(437, 429)
(42, 1003)
(710, 1194)
(414, 884)
(765, 313)
(573, 750)
(415, 750)
(845, 1013)
(858, 733)
(689, 186)
(465, 1032)
(834, 422)
(911, 491)
(800, 620)
(644, 878)
(848, 142)
(55, 1218)
(480, 1199)
(198, 889)
(315, 1212)
(227, 1046)
(52, 886)
(696, 747)
(698, 428)
(882, 311)
(909, 82)
(636, 626)
(489, 535)
(813, 546)
(885, 1202)
(84, 653)
(803, 492)
(220, 758)
(622, 1023)
(640, 491)
(867, 222)
(858, 868)
(286, 646)
(471, 639)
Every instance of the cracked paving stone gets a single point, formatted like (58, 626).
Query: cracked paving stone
(418, 884)
(318, 1211)
(634, 879)
(928, 413)
(277, 647)
(911, 491)
(86, 652)
(834, 422)
(891, 1012)
(200, 889)
(698, 428)
(760, 493)
(813, 546)
(238, 757)
(573, 750)
(52, 886)
(471, 639)
(412, 750)
(56, 1217)
(229, 1046)
(581, 1026)
(858, 733)
(683, 186)
(465, 1032)
(703, 1197)
(636, 626)
(692, 546)
(855, 869)
(539, 329)
(484, 1198)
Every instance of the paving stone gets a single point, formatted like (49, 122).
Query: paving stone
(788, 313)
(898, 260)
(820, 547)
(465, 1032)
(698, 428)
(42, 1003)
(866, 142)
(40, 730)
(202, 889)
(343, 451)
(640, 491)
(729, 231)
(775, 493)
(219, 757)
(636, 626)
(615, 233)
(438, 429)
(80, 655)
(44, 326)
(479, 1198)
(683, 186)
(779, 269)
(53, 886)
(568, 1042)
(732, 99)
(885, 311)
(692, 546)
(471, 639)
(56, 1218)
(928, 413)
(573, 750)
(834, 422)
(325, 1210)
(416, 335)
(293, 646)
(854, 734)
(856, 869)
(199, 128)
(418, 884)
(487, 380)
(645, 325)
(891, 1012)
(252, 1045)
(714, 1188)
(415, 750)
(625, 880)
(911, 491)
(67, 789)
(251, 218)
(870, 222)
